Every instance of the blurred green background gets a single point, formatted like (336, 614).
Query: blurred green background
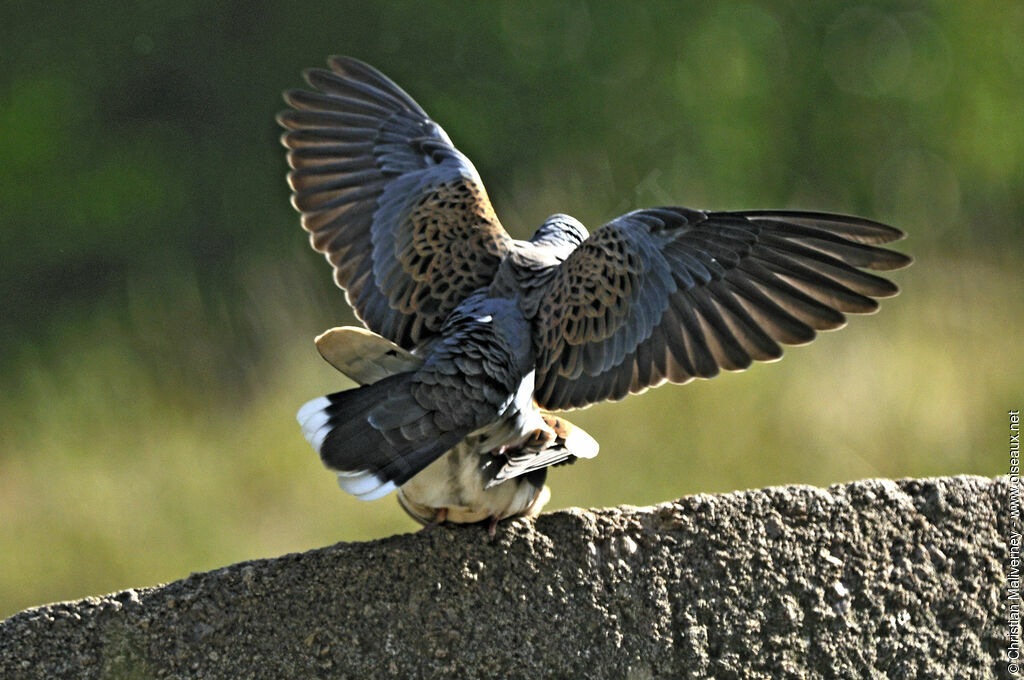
(159, 298)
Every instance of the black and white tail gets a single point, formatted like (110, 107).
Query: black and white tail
(368, 436)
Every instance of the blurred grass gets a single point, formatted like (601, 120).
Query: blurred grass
(159, 300)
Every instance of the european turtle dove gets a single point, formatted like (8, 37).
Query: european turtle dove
(482, 334)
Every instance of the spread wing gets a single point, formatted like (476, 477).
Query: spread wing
(399, 212)
(675, 294)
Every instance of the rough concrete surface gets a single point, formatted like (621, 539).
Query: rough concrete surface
(873, 579)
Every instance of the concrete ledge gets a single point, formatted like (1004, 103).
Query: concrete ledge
(870, 579)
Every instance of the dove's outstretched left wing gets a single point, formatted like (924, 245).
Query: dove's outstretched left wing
(396, 208)
(363, 356)
(675, 294)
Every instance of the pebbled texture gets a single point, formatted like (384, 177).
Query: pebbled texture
(870, 579)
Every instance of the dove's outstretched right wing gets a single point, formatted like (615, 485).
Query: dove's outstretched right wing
(568, 443)
(401, 214)
(676, 294)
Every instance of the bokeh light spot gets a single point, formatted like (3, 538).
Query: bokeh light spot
(867, 52)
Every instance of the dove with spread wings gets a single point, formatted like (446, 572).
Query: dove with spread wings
(474, 337)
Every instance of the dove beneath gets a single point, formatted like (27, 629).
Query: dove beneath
(481, 335)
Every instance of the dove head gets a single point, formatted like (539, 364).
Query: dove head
(561, 233)
(531, 263)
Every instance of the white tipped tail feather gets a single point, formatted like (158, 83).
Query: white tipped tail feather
(366, 486)
(315, 419)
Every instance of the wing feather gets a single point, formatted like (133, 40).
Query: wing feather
(676, 294)
(399, 212)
